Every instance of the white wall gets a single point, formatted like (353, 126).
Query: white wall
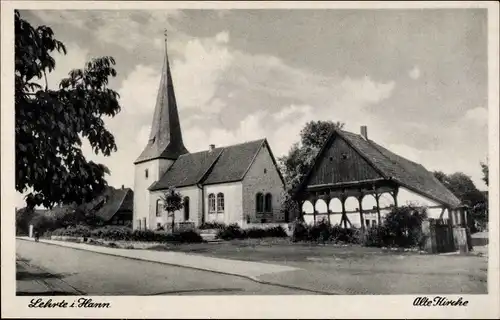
(194, 194)
(155, 168)
(386, 200)
(406, 197)
(233, 206)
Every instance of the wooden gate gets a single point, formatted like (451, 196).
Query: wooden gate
(444, 237)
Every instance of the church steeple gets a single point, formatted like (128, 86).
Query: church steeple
(165, 139)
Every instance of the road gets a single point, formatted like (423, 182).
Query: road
(99, 274)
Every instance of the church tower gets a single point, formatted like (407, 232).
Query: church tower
(164, 146)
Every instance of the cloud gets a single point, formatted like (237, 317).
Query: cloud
(198, 73)
(72, 17)
(292, 110)
(365, 90)
(124, 28)
(197, 139)
(222, 37)
(414, 73)
(139, 89)
(477, 116)
(446, 160)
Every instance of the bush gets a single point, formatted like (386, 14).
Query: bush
(402, 227)
(114, 233)
(42, 223)
(275, 232)
(212, 225)
(232, 231)
(377, 237)
(300, 231)
(188, 237)
(77, 231)
(324, 232)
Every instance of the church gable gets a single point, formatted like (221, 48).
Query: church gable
(340, 163)
(233, 163)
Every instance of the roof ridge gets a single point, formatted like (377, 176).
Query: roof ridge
(224, 147)
(246, 142)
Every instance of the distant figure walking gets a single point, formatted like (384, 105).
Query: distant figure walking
(37, 236)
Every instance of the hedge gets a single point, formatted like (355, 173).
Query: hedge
(118, 233)
(234, 231)
(212, 225)
(325, 232)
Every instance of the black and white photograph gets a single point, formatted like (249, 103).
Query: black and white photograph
(250, 152)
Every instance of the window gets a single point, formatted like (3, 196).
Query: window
(211, 202)
(159, 208)
(259, 202)
(146, 173)
(220, 202)
(265, 171)
(367, 223)
(186, 208)
(268, 203)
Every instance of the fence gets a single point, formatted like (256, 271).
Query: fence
(180, 226)
(441, 237)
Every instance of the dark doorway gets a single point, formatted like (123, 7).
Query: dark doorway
(186, 208)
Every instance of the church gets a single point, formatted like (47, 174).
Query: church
(230, 184)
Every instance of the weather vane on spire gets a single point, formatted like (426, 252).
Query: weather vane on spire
(165, 33)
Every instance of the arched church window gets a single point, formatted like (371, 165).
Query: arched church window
(268, 203)
(186, 208)
(259, 203)
(220, 202)
(159, 207)
(211, 202)
(146, 173)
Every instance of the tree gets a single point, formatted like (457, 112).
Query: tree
(484, 169)
(301, 155)
(172, 201)
(50, 124)
(462, 186)
(464, 189)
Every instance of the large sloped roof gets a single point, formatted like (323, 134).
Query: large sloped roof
(188, 169)
(403, 171)
(220, 165)
(110, 202)
(234, 162)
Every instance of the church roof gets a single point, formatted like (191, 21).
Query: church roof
(165, 139)
(401, 170)
(220, 165)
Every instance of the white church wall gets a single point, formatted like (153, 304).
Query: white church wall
(155, 169)
(194, 194)
(233, 207)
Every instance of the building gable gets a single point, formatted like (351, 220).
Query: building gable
(340, 163)
(264, 177)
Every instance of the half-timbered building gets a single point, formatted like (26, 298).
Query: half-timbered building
(355, 182)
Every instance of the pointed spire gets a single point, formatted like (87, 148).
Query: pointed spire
(165, 139)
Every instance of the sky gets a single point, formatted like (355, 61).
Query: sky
(416, 78)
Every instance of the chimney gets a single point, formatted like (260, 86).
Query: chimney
(364, 132)
(123, 186)
(211, 147)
